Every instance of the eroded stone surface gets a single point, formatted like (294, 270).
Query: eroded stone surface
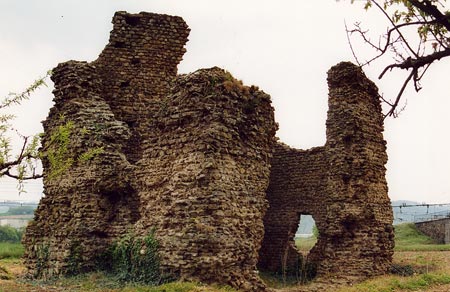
(203, 180)
(438, 230)
(342, 185)
(131, 146)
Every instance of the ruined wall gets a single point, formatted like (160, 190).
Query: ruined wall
(297, 186)
(130, 146)
(203, 181)
(93, 136)
(438, 230)
(342, 185)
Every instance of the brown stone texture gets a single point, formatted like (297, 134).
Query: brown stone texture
(438, 230)
(187, 155)
(203, 180)
(109, 104)
(342, 185)
(130, 146)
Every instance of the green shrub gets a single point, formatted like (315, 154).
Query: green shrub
(402, 270)
(74, 260)
(134, 259)
(315, 231)
(10, 234)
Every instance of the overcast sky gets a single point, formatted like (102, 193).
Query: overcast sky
(284, 47)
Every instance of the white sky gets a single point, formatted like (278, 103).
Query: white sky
(284, 47)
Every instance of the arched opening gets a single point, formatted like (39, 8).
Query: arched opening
(306, 235)
(285, 258)
(305, 239)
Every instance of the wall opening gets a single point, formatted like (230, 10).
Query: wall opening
(305, 239)
(132, 20)
(306, 235)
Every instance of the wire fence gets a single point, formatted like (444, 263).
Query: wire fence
(432, 216)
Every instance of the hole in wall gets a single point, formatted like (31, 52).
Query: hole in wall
(119, 44)
(348, 139)
(124, 84)
(306, 235)
(131, 124)
(135, 61)
(346, 178)
(132, 20)
(284, 260)
(305, 239)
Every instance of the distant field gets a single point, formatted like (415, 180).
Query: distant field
(306, 243)
(10, 250)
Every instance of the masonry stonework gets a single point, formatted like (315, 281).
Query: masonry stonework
(342, 185)
(130, 146)
(439, 230)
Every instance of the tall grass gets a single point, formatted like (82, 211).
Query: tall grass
(11, 250)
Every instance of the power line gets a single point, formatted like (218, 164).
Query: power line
(420, 205)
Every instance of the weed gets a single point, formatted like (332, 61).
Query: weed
(58, 155)
(90, 154)
(42, 256)
(135, 259)
(402, 270)
(5, 274)
(74, 259)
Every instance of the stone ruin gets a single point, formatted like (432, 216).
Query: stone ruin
(131, 146)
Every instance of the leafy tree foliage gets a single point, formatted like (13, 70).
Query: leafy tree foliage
(23, 165)
(10, 234)
(416, 37)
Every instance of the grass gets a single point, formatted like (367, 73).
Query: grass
(391, 283)
(431, 270)
(99, 281)
(95, 282)
(430, 261)
(11, 250)
(408, 238)
(305, 243)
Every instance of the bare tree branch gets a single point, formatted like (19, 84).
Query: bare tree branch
(350, 44)
(395, 27)
(21, 178)
(417, 63)
(432, 32)
(392, 111)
